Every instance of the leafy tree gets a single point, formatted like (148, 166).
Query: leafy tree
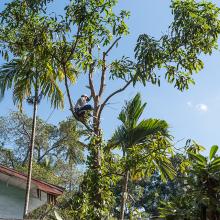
(146, 193)
(7, 157)
(57, 148)
(98, 29)
(58, 151)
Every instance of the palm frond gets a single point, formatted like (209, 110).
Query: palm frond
(146, 128)
(139, 134)
(21, 76)
(132, 111)
(119, 138)
(15, 74)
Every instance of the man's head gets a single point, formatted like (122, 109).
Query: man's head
(85, 96)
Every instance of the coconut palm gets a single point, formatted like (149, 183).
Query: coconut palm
(30, 80)
(136, 140)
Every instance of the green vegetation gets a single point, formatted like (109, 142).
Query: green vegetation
(44, 53)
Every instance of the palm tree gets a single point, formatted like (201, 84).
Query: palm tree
(132, 136)
(26, 76)
(33, 74)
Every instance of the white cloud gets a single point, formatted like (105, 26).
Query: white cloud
(202, 107)
(199, 107)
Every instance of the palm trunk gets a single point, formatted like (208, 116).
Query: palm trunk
(28, 187)
(124, 195)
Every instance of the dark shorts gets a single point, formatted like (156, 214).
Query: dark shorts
(82, 110)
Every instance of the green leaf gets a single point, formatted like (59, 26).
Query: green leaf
(216, 161)
(213, 151)
(198, 157)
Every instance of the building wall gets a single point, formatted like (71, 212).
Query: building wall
(12, 201)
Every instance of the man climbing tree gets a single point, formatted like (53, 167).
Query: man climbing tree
(82, 108)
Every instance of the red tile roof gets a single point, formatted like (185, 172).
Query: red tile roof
(46, 187)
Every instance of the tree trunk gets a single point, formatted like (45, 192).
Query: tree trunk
(96, 163)
(203, 212)
(28, 187)
(97, 132)
(124, 195)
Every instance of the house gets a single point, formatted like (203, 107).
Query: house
(12, 193)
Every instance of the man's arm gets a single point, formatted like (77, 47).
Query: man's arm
(77, 105)
(89, 98)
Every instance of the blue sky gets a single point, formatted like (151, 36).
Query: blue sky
(191, 114)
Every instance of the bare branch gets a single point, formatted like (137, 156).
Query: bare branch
(113, 94)
(110, 48)
(91, 83)
(102, 83)
(48, 151)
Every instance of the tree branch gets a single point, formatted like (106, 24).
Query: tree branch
(113, 94)
(110, 48)
(71, 104)
(26, 157)
(113, 173)
(47, 151)
(91, 83)
(23, 127)
(102, 83)
(68, 91)
(76, 41)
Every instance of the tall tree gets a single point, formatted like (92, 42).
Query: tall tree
(58, 150)
(24, 82)
(54, 145)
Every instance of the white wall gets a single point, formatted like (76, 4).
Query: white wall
(12, 201)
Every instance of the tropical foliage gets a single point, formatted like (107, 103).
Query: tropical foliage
(199, 196)
(45, 53)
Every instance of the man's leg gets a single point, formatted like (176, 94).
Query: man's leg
(79, 113)
(86, 108)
